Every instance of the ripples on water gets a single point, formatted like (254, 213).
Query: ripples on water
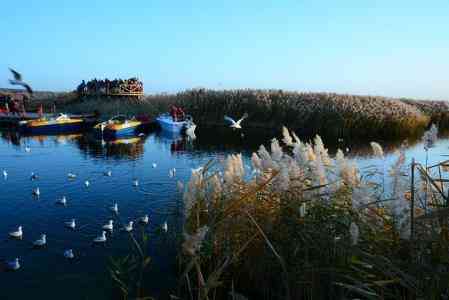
(46, 272)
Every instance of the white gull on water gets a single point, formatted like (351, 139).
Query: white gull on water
(101, 238)
(17, 233)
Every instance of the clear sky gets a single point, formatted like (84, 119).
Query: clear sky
(383, 47)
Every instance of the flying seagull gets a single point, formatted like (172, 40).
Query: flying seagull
(18, 81)
(234, 124)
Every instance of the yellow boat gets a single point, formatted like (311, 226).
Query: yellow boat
(62, 123)
(118, 126)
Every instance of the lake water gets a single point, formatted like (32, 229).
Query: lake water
(45, 273)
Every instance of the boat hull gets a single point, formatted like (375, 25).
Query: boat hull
(167, 124)
(115, 128)
(115, 133)
(16, 120)
(52, 128)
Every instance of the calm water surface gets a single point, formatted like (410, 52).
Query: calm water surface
(45, 273)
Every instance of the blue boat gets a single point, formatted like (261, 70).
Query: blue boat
(118, 126)
(168, 124)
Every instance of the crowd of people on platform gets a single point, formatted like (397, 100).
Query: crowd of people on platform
(107, 87)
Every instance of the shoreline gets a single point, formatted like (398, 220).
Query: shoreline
(328, 114)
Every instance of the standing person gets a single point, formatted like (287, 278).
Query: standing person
(181, 114)
(40, 111)
(173, 112)
(81, 88)
(14, 106)
(22, 107)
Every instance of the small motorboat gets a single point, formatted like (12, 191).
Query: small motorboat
(167, 123)
(118, 126)
(45, 125)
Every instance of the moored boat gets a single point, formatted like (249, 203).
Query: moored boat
(118, 126)
(168, 123)
(49, 125)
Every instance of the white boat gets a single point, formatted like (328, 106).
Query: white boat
(168, 124)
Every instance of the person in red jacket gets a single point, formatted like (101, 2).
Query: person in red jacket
(180, 114)
(173, 112)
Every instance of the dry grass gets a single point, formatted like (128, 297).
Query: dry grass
(330, 115)
(438, 111)
(108, 107)
(300, 224)
(327, 114)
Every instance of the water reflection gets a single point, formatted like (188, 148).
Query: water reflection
(52, 157)
(126, 148)
(10, 137)
(17, 139)
(208, 140)
(364, 150)
(178, 143)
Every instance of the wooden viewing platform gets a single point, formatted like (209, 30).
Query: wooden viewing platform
(126, 94)
(111, 88)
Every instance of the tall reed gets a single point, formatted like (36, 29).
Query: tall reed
(328, 114)
(108, 107)
(301, 224)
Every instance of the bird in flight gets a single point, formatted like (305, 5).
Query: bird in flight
(234, 124)
(18, 81)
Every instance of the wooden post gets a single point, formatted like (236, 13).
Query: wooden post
(412, 201)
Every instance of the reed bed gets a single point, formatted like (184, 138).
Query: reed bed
(301, 224)
(330, 115)
(438, 111)
(108, 107)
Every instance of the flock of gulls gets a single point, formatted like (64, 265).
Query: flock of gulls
(69, 253)
(14, 264)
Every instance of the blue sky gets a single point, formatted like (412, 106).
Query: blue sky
(392, 48)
